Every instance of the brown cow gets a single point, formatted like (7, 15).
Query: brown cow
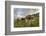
(29, 19)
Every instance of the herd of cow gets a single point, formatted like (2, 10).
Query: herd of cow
(28, 18)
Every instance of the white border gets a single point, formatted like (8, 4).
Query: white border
(25, 28)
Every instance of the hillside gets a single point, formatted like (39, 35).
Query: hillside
(22, 23)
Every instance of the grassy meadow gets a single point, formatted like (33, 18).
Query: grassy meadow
(22, 23)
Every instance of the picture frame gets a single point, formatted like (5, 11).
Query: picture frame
(12, 8)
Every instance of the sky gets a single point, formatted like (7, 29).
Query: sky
(22, 12)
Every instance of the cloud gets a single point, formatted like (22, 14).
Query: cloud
(22, 12)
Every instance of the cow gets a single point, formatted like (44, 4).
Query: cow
(29, 19)
(22, 18)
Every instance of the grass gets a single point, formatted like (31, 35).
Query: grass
(22, 23)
